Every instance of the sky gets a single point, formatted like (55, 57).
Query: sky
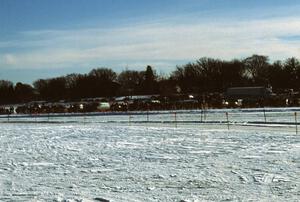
(49, 38)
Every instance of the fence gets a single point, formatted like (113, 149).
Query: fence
(229, 118)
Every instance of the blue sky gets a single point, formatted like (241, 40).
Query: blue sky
(47, 38)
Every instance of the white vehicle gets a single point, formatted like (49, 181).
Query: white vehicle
(102, 106)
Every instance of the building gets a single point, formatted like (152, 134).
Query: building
(248, 96)
(249, 93)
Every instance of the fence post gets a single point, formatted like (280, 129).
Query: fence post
(296, 124)
(201, 113)
(175, 118)
(147, 115)
(265, 115)
(205, 111)
(129, 119)
(84, 118)
(227, 120)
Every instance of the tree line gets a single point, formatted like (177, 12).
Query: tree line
(206, 75)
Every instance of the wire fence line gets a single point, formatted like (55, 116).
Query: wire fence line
(257, 116)
(252, 115)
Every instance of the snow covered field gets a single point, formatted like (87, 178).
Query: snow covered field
(148, 162)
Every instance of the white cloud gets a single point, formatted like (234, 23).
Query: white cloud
(153, 42)
(9, 59)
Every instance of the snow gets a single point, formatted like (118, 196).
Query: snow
(98, 161)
